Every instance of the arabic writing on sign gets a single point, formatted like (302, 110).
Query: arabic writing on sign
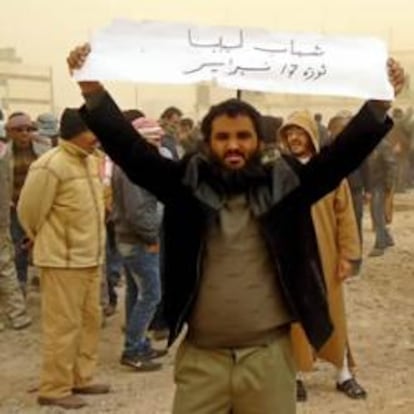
(226, 56)
(288, 71)
(240, 43)
(243, 58)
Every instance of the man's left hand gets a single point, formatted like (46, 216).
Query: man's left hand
(396, 75)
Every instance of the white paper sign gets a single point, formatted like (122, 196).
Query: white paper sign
(250, 59)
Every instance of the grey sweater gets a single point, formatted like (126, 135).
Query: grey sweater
(240, 303)
(136, 213)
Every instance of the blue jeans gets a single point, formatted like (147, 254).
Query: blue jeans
(21, 257)
(383, 238)
(143, 293)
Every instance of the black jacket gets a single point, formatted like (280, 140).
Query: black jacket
(281, 201)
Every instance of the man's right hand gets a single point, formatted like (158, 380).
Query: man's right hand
(76, 59)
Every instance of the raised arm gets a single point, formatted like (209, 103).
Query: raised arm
(139, 160)
(325, 171)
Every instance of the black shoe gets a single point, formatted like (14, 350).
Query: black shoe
(301, 393)
(352, 389)
(70, 402)
(140, 364)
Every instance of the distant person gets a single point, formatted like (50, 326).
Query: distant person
(24, 150)
(187, 136)
(322, 130)
(383, 170)
(339, 248)
(113, 260)
(66, 225)
(12, 301)
(169, 122)
(400, 137)
(137, 217)
(48, 127)
(271, 146)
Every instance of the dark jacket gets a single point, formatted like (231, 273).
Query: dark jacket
(135, 213)
(281, 202)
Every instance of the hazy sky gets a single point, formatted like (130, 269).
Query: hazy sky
(43, 31)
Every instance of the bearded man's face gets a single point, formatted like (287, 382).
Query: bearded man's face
(233, 141)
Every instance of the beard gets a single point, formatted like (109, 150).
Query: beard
(236, 181)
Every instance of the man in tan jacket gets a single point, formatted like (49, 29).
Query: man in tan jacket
(61, 208)
(339, 246)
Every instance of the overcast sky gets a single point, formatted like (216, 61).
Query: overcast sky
(43, 31)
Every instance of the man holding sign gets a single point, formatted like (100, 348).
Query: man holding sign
(241, 259)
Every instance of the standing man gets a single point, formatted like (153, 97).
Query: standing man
(24, 150)
(66, 225)
(383, 170)
(169, 121)
(322, 130)
(339, 247)
(137, 219)
(13, 302)
(241, 259)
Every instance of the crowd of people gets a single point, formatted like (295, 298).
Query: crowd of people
(240, 229)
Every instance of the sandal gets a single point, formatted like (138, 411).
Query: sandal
(352, 389)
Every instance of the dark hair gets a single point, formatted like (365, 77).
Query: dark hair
(15, 114)
(170, 112)
(187, 122)
(317, 117)
(132, 114)
(1, 115)
(232, 108)
(71, 124)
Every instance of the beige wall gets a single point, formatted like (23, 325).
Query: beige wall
(44, 30)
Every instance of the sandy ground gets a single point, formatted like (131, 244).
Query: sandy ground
(381, 324)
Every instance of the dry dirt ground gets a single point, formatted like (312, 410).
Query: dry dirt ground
(381, 324)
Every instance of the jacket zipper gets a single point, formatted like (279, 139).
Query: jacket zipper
(98, 218)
